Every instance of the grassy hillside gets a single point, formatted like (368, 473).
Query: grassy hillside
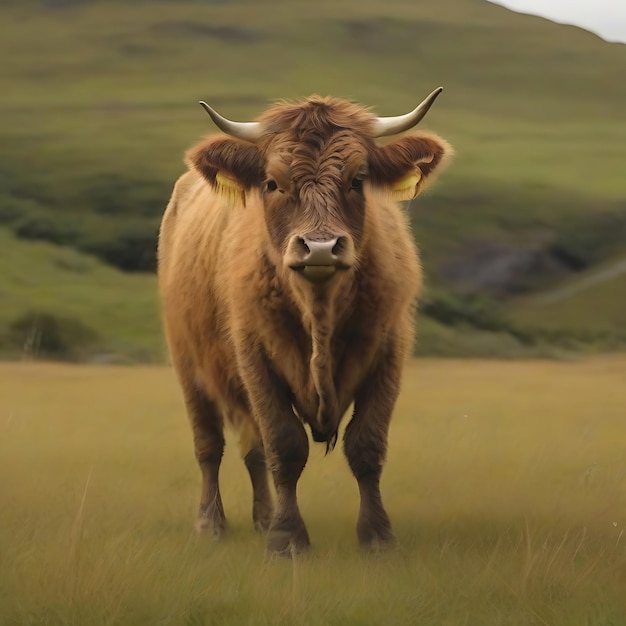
(506, 489)
(62, 304)
(592, 306)
(58, 303)
(100, 101)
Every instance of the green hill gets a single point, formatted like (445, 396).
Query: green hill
(100, 100)
(590, 308)
(59, 303)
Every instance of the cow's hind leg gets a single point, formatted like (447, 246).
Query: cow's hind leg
(253, 455)
(208, 439)
(365, 446)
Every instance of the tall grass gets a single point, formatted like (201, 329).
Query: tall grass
(505, 482)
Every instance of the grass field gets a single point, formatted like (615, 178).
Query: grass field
(506, 483)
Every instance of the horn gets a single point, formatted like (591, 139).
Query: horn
(384, 126)
(250, 131)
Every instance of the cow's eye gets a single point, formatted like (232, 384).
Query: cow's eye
(271, 185)
(357, 183)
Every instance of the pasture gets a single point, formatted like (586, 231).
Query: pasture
(506, 483)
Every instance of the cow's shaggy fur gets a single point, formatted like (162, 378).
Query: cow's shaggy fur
(257, 345)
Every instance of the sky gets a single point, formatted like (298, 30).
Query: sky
(606, 18)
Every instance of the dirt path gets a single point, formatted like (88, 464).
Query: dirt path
(601, 276)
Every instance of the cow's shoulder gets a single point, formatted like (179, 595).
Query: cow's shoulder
(187, 187)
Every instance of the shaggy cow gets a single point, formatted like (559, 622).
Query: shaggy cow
(288, 277)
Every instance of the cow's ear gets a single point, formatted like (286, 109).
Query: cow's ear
(404, 166)
(231, 166)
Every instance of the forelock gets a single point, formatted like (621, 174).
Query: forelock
(318, 115)
(319, 134)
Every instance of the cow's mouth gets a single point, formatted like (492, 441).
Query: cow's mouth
(318, 273)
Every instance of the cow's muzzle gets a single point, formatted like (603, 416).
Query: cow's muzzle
(320, 258)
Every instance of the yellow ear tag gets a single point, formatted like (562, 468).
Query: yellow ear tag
(229, 188)
(408, 187)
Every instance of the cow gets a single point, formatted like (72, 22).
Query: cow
(288, 278)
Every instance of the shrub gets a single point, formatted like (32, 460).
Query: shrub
(584, 241)
(49, 226)
(120, 195)
(132, 248)
(51, 336)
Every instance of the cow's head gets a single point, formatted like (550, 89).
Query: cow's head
(315, 165)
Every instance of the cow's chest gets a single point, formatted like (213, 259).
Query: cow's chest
(314, 375)
(307, 376)
(309, 348)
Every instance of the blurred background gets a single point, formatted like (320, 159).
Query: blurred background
(523, 239)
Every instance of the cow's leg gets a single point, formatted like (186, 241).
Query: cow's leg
(365, 444)
(285, 442)
(208, 439)
(288, 449)
(253, 454)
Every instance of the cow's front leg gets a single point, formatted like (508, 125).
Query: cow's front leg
(365, 443)
(286, 448)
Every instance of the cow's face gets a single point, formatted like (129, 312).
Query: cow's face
(314, 201)
(315, 166)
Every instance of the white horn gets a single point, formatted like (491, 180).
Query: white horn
(250, 131)
(384, 126)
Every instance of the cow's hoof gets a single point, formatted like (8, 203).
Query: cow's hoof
(213, 526)
(284, 541)
(379, 544)
(262, 516)
(376, 537)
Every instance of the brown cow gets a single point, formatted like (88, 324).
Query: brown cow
(288, 276)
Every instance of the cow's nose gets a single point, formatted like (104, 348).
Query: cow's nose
(319, 257)
(324, 252)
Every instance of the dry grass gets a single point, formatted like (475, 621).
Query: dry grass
(506, 483)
